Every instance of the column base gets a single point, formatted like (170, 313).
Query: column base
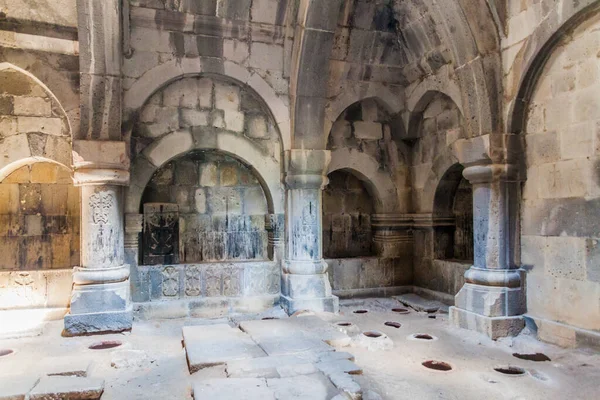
(307, 292)
(100, 322)
(493, 327)
(99, 308)
(324, 304)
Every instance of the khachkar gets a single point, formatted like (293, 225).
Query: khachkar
(305, 283)
(100, 300)
(492, 300)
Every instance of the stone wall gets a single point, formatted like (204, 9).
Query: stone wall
(250, 34)
(440, 126)
(32, 124)
(221, 208)
(39, 237)
(561, 197)
(206, 290)
(347, 209)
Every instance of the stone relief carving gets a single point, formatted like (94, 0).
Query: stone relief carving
(213, 282)
(101, 203)
(23, 279)
(193, 286)
(231, 282)
(170, 284)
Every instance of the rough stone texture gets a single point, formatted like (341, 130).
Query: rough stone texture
(207, 346)
(67, 388)
(347, 208)
(252, 389)
(418, 303)
(558, 252)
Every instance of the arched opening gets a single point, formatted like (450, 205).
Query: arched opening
(453, 217)
(347, 209)
(204, 206)
(39, 214)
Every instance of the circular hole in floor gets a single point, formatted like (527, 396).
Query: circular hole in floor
(510, 370)
(373, 334)
(106, 344)
(5, 352)
(344, 324)
(360, 311)
(437, 365)
(423, 336)
(431, 316)
(269, 318)
(532, 356)
(400, 310)
(393, 324)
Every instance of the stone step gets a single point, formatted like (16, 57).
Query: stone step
(67, 388)
(419, 303)
(66, 366)
(211, 345)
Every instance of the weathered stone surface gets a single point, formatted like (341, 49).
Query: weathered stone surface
(207, 346)
(232, 388)
(419, 303)
(16, 388)
(314, 386)
(67, 388)
(66, 366)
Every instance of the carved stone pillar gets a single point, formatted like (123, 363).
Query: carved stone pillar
(275, 226)
(100, 300)
(305, 281)
(133, 229)
(493, 299)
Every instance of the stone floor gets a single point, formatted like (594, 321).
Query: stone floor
(303, 357)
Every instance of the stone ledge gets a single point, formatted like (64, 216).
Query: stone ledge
(562, 334)
(101, 322)
(203, 307)
(493, 327)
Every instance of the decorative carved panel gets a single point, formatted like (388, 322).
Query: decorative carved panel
(170, 283)
(193, 283)
(161, 234)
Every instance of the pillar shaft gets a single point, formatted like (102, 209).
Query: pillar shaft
(492, 299)
(305, 280)
(100, 300)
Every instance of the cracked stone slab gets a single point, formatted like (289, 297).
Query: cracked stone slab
(419, 303)
(303, 387)
(334, 366)
(67, 388)
(262, 367)
(66, 366)
(294, 335)
(211, 345)
(345, 383)
(16, 388)
(232, 389)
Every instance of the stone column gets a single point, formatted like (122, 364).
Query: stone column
(492, 300)
(100, 301)
(305, 282)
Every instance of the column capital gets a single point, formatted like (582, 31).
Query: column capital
(487, 173)
(306, 169)
(100, 162)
